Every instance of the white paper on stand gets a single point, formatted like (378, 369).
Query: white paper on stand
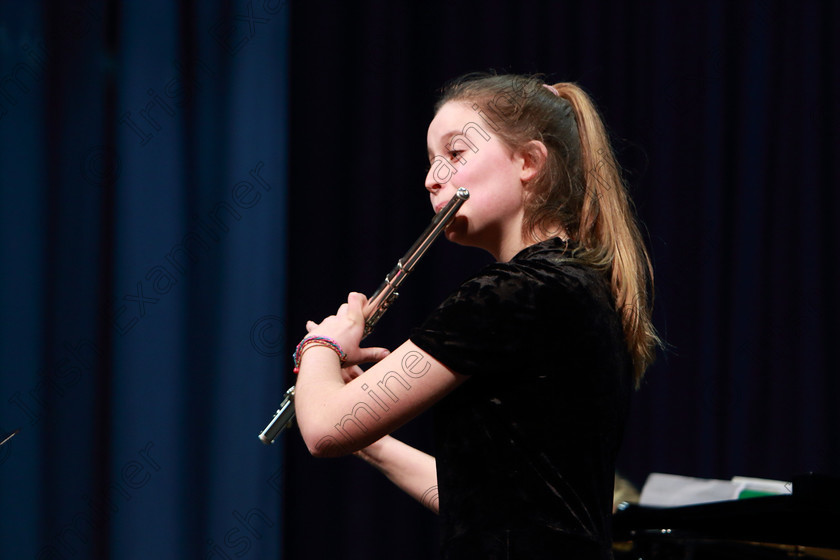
(669, 490)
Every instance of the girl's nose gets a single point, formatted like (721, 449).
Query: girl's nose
(440, 173)
(432, 185)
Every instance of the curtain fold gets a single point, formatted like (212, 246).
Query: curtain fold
(143, 278)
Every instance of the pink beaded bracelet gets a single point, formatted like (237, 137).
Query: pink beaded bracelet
(310, 341)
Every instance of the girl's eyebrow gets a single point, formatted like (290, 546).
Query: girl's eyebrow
(443, 139)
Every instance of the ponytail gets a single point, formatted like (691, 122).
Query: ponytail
(608, 230)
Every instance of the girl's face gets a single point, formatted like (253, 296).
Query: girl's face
(464, 152)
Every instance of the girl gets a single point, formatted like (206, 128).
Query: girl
(529, 365)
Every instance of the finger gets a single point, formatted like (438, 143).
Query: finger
(348, 374)
(372, 354)
(357, 296)
(311, 326)
(356, 304)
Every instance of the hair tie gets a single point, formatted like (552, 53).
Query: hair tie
(552, 89)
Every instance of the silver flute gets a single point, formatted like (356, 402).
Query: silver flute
(378, 303)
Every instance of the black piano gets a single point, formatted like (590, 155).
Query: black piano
(804, 524)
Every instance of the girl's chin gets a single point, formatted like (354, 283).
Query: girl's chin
(456, 231)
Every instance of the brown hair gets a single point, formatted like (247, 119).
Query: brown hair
(579, 187)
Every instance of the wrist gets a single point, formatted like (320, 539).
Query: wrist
(315, 341)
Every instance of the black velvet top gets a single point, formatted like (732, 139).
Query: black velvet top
(526, 448)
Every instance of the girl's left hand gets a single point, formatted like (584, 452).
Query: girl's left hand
(347, 328)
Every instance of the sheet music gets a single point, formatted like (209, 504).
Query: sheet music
(669, 490)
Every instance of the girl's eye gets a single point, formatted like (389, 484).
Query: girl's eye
(454, 155)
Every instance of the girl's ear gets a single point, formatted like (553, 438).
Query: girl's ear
(532, 157)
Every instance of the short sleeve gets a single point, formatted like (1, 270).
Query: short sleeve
(485, 324)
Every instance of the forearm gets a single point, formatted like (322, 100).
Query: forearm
(318, 402)
(337, 418)
(410, 469)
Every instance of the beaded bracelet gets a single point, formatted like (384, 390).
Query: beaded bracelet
(309, 341)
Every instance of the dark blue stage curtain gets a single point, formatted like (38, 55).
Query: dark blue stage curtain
(143, 167)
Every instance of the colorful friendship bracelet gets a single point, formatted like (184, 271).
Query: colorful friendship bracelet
(309, 341)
